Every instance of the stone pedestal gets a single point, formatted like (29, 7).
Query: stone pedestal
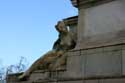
(100, 23)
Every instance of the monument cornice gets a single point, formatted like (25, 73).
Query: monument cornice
(88, 3)
(71, 20)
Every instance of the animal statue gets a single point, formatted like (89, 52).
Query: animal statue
(54, 58)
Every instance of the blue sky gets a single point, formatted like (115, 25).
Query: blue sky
(27, 27)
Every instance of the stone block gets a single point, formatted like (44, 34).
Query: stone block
(123, 61)
(52, 82)
(83, 61)
(94, 50)
(112, 81)
(83, 52)
(113, 48)
(20, 82)
(103, 64)
(39, 76)
(74, 65)
(71, 82)
(62, 74)
(123, 47)
(73, 53)
(53, 74)
(91, 81)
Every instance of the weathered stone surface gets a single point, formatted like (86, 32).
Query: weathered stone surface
(63, 75)
(101, 25)
(74, 65)
(83, 62)
(88, 63)
(123, 61)
(91, 81)
(113, 48)
(122, 80)
(88, 3)
(52, 82)
(71, 82)
(20, 82)
(92, 51)
(39, 75)
(103, 64)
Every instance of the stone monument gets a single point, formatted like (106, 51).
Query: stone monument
(99, 53)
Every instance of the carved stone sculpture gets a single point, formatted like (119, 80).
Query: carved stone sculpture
(53, 59)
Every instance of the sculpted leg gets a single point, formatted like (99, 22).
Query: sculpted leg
(42, 63)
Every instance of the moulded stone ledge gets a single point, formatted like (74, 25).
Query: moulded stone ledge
(88, 3)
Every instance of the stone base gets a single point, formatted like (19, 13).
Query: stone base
(70, 80)
(96, 65)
